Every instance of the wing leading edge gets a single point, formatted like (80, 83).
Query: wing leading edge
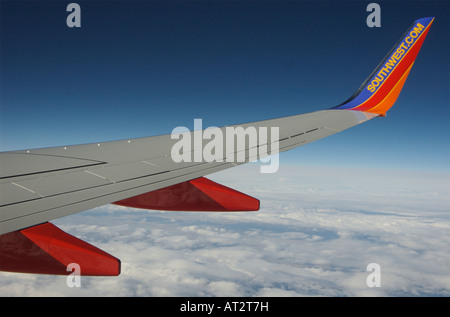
(40, 185)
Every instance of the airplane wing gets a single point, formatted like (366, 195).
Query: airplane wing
(39, 185)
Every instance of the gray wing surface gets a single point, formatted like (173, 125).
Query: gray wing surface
(40, 185)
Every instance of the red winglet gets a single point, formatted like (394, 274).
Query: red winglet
(199, 194)
(46, 249)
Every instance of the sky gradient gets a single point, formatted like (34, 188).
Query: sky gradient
(142, 68)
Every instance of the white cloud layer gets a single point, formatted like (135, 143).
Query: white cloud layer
(316, 232)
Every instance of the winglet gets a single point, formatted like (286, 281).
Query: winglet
(381, 89)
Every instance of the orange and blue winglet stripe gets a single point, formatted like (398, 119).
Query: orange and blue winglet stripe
(381, 89)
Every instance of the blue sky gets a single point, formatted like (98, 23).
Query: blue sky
(143, 68)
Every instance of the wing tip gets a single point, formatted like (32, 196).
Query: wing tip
(381, 89)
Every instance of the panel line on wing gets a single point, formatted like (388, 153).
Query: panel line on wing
(102, 177)
(23, 187)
